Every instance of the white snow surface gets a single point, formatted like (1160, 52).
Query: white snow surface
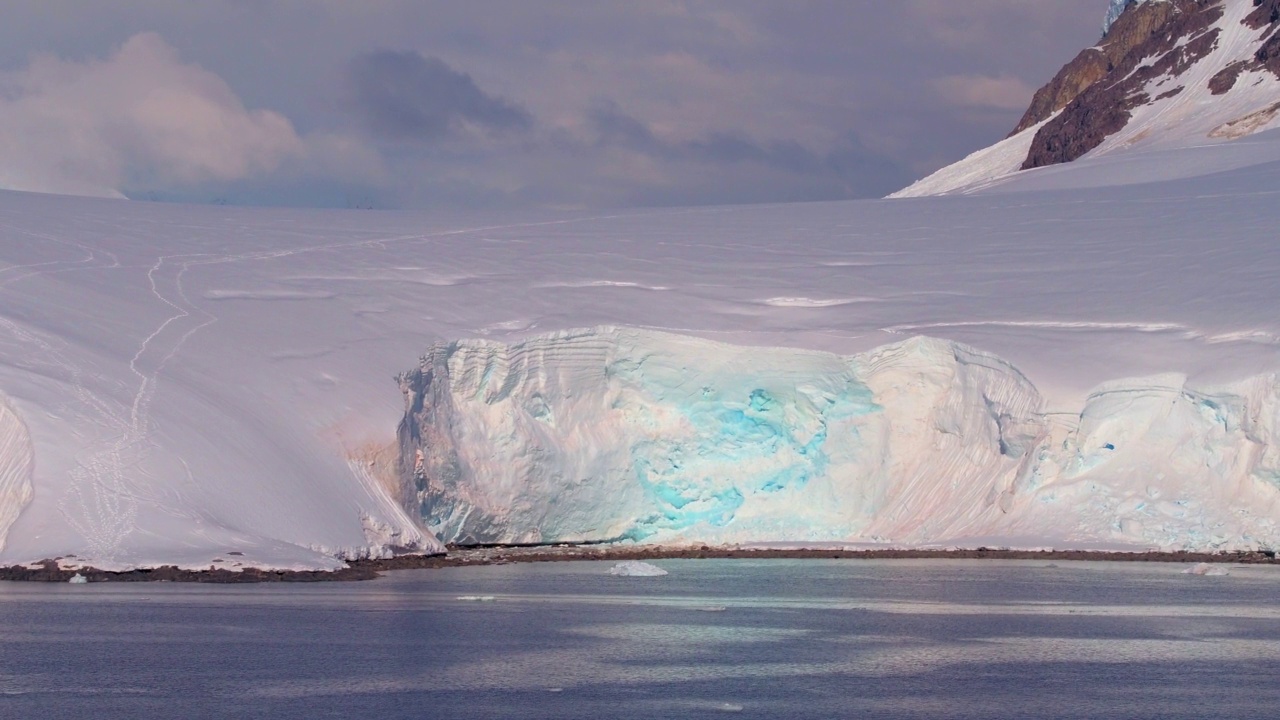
(977, 171)
(1196, 125)
(215, 386)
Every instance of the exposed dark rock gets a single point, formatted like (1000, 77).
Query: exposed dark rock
(1266, 12)
(1088, 67)
(1098, 90)
(1225, 79)
(1160, 39)
(1268, 56)
(1132, 29)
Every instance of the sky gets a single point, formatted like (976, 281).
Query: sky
(515, 103)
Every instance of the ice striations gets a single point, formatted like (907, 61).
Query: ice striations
(619, 433)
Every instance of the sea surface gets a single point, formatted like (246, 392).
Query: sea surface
(747, 638)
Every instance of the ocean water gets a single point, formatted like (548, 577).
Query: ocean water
(755, 639)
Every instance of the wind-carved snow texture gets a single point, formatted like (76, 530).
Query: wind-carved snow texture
(623, 434)
(97, 501)
(16, 460)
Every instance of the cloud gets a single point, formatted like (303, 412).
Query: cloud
(139, 118)
(725, 165)
(408, 96)
(1003, 92)
(424, 102)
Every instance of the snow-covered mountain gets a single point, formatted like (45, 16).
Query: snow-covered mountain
(1167, 74)
(1085, 355)
(184, 383)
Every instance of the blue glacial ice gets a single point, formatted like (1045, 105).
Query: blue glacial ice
(1114, 11)
(625, 434)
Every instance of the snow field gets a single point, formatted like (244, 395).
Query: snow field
(216, 385)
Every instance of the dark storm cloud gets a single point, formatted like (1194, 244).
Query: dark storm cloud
(403, 95)
(846, 170)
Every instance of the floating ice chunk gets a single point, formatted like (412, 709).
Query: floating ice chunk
(78, 579)
(635, 568)
(1205, 569)
(477, 598)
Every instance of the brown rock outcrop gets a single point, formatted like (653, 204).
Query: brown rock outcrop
(1225, 79)
(1129, 31)
(1265, 17)
(1157, 39)
(1265, 13)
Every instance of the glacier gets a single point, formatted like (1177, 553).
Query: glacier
(619, 434)
(1075, 364)
(1115, 10)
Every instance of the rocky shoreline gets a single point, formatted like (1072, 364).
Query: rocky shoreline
(48, 570)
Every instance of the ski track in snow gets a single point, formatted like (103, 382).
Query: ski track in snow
(102, 501)
(99, 504)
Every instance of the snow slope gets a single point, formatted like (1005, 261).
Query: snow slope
(1183, 115)
(183, 382)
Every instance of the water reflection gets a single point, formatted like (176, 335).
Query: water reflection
(776, 639)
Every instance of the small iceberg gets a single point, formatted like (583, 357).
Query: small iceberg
(635, 568)
(1205, 569)
(477, 598)
(78, 579)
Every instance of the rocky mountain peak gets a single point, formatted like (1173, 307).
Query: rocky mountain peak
(1131, 30)
(1149, 40)
(1165, 73)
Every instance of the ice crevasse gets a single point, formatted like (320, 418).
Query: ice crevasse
(626, 434)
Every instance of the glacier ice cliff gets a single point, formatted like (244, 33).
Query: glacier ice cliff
(1114, 11)
(626, 434)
